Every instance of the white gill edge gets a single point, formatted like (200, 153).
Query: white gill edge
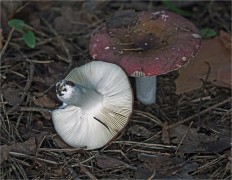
(80, 130)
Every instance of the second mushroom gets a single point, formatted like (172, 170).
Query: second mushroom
(145, 45)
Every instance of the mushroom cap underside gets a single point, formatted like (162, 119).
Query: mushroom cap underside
(96, 128)
(157, 43)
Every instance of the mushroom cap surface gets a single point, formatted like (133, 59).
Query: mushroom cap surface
(148, 44)
(94, 129)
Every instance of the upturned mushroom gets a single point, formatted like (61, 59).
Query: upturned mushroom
(145, 45)
(97, 104)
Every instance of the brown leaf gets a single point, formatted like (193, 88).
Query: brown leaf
(60, 142)
(217, 54)
(72, 20)
(160, 163)
(225, 39)
(44, 101)
(38, 125)
(1, 39)
(139, 131)
(224, 76)
(228, 166)
(165, 134)
(12, 94)
(45, 80)
(142, 172)
(10, 6)
(27, 147)
(108, 162)
(197, 142)
(39, 137)
(4, 153)
(168, 167)
(182, 168)
(46, 114)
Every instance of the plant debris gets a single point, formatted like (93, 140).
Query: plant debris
(213, 60)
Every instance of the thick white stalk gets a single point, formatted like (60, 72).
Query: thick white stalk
(85, 98)
(146, 89)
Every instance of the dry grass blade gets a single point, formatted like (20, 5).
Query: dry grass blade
(190, 125)
(33, 157)
(149, 116)
(209, 165)
(57, 150)
(142, 144)
(26, 88)
(85, 170)
(7, 42)
(201, 112)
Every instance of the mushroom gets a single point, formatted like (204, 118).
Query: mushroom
(145, 45)
(97, 104)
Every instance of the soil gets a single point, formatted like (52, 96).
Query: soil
(182, 136)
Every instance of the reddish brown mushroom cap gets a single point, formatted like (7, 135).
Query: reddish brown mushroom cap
(146, 43)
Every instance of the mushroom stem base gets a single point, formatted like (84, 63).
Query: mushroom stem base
(146, 89)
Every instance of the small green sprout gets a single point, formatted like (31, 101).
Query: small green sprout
(28, 36)
(171, 6)
(207, 33)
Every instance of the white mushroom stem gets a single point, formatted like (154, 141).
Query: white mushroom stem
(85, 98)
(146, 89)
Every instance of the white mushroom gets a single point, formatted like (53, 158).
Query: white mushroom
(97, 101)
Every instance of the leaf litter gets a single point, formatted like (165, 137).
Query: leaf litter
(215, 54)
(157, 143)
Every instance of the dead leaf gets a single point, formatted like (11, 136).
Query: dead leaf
(39, 137)
(225, 39)
(59, 171)
(72, 19)
(93, 5)
(12, 94)
(46, 114)
(60, 142)
(38, 125)
(165, 134)
(51, 74)
(44, 80)
(106, 162)
(27, 147)
(160, 163)
(10, 6)
(140, 131)
(183, 168)
(197, 142)
(228, 166)
(1, 39)
(224, 75)
(4, 153)
(142, 172)
(168, 167)
(217, 53)
(44, 101)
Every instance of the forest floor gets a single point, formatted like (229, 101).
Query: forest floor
(185, 135)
